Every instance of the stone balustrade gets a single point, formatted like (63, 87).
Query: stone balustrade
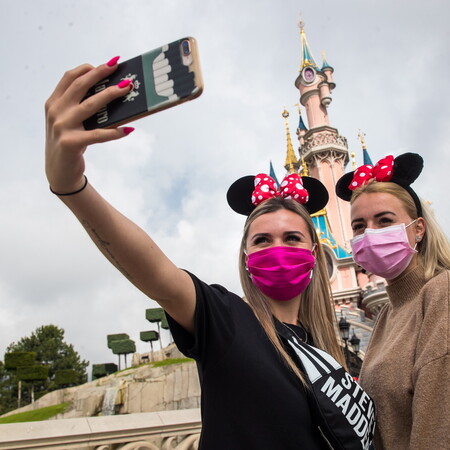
(162, 430)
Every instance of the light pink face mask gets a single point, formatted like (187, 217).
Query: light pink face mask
(281, 273)
(384, 252)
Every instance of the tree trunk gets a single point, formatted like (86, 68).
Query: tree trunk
(19, 393)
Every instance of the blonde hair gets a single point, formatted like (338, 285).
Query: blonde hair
(434, 248)
(316, 312)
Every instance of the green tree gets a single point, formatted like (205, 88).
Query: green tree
(20, 360)
(52, 351)
(123, 347)
(8, 390)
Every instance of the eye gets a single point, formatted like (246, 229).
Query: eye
(386, 221)
(260, 240)
(293, 237)
(357, 227)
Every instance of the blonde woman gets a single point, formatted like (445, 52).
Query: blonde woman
(407, 365)
(254, 391)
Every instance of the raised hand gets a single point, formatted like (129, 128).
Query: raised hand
(65, 110)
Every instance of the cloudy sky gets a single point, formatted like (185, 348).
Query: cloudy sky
(391, 60)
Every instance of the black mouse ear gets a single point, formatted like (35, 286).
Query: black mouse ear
(239, 195)
(407, 168)
(317, 192)
(342, 186)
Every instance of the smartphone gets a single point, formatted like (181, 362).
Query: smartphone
(164, 77)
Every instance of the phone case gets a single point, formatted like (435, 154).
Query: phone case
(162, 78)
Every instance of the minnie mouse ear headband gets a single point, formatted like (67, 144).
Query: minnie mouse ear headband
(402, 170)
(246, 193)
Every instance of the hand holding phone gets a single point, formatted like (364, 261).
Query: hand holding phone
(164, 77)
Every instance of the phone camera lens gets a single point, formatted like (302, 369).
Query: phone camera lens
(186, 48)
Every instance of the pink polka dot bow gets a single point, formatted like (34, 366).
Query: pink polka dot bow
(291, 188)
(381, 171)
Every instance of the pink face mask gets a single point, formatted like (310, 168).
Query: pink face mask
(385, 252)
(281, 273)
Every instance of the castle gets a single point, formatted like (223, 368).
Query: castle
(323, 153)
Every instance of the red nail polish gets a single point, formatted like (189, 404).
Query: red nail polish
(113, 61)
(128, 130)
(124, 83)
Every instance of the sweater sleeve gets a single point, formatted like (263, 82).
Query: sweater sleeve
(431, 377)
(431, 406)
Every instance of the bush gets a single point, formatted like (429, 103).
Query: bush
(101, 370)
(116, 337)
(154, 314)
(123, 347)
(15, 360)
(147, 336)
(32, 373)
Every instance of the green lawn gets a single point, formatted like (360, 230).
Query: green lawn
(35, 415)
(168, 362)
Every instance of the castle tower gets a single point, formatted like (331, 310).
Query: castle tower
(325, 155)
(323, 149)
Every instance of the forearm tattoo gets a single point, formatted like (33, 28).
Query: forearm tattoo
(104, 246)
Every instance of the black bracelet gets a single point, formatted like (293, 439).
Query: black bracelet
(74, 192)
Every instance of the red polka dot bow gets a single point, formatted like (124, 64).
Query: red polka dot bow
(381, 171)
(291, 188)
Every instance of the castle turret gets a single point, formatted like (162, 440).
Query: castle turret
(291, 164)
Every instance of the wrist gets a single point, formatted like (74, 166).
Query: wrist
(76, 191)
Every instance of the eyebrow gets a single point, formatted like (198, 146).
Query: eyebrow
(376, 216)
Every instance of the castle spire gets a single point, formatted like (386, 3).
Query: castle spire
(307, 57)
(301, 125)
(305, 171)
(291, 164)
(366, 157)
(325, 64)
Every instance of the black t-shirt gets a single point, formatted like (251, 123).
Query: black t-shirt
(250, 398)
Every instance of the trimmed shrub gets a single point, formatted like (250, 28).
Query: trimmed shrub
(123, 347)
(147, 336)
(33, 373)
(165, 323)
(14, 360)
(101, 370)
(116, 337)
(154, 315)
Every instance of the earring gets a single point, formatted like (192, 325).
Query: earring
(418, 239)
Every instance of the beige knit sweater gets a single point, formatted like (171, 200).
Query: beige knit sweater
(407, 366)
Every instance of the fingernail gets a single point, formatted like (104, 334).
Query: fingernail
(113, 61)
(124, 83)
(128, 130)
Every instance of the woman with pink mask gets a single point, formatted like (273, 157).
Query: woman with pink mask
(260, 359)
(406, 368)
